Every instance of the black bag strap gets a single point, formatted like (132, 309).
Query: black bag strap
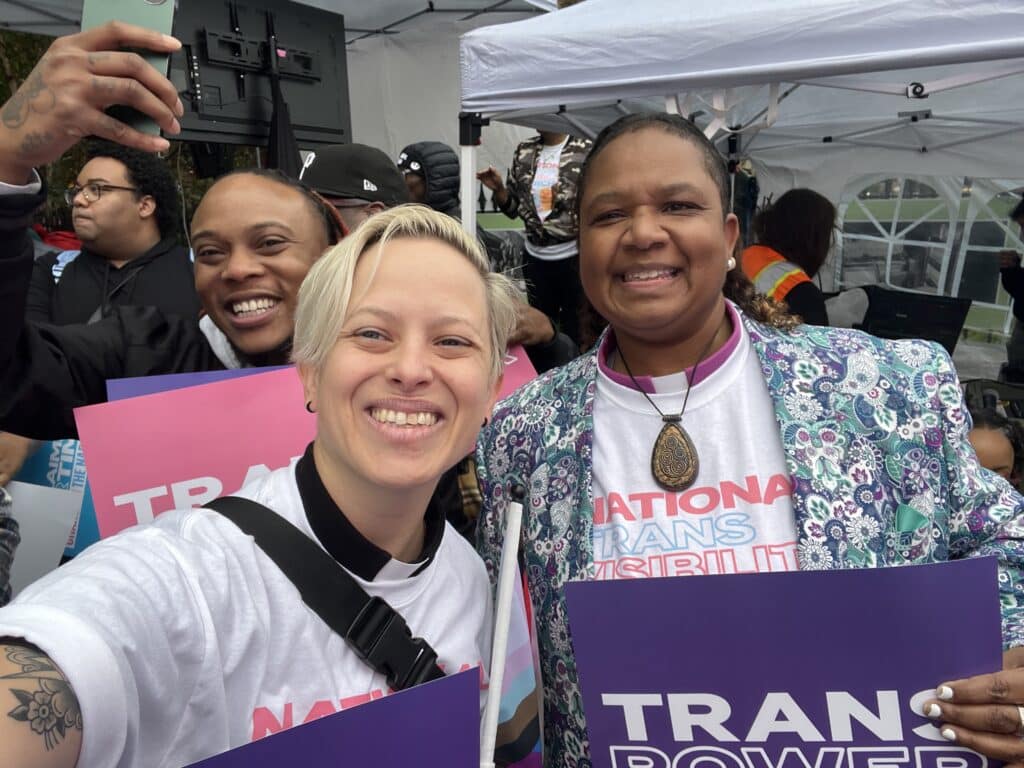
(372, 628)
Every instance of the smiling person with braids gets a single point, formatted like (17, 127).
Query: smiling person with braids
(709, 433)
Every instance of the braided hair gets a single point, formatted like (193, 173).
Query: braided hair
(327, 214)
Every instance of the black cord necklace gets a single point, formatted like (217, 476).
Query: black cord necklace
(674, 460)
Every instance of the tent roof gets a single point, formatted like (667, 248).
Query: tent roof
(816, 89)
(605, 50)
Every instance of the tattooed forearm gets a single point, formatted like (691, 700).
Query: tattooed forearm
(46, 701)
(33, 96)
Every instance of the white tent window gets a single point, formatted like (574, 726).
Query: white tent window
(930, 234)
(896, 232)
(987, 230)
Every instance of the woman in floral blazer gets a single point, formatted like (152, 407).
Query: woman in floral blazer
(874, 434)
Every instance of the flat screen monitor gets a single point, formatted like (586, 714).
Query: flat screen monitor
(223, 71)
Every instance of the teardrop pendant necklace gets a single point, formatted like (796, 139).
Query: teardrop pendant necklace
(674, 460)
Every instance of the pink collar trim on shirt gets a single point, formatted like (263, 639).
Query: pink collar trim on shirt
(646, 383)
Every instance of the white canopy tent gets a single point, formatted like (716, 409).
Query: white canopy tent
(814, 92)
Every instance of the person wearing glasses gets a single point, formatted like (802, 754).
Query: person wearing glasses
(124, 209)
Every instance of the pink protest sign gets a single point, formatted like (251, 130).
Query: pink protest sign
(183, 448)
(518, 370)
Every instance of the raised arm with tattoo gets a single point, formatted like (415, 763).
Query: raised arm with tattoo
(63, 98)
(40, 722)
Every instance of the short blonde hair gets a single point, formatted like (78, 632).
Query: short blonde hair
(327, 289)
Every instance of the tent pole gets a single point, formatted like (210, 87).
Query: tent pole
(467, 200)
(957, 143)
(470, 124)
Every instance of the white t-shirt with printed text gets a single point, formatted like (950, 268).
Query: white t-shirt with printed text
(182, 639)
(737, 517)
(545, 179)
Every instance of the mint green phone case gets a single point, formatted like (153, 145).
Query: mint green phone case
(152, 14)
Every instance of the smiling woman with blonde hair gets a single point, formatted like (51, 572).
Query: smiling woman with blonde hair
(174, 641)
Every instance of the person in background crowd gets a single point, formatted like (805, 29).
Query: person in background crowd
(255, 235)
(357, 180)
(431, 171)
(700, 383)
(1012, 275)
(541, 190)
(112, 660)
(793, 237)
(125, 211)
(999, 444)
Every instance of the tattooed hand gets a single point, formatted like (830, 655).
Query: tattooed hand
(40, 720)
(64, 96)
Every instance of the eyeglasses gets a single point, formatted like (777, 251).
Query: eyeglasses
(91, 192)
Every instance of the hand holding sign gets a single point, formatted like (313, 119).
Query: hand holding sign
(985, 712)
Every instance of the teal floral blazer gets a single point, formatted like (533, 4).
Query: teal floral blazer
(875, 437)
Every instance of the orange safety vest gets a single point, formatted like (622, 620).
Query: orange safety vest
(770, 273)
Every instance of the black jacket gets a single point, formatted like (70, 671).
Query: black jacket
(47, 370)
(1013, 284)
(807, 300)
(89, 287)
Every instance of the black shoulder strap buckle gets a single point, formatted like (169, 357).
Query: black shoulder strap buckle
(381, 638)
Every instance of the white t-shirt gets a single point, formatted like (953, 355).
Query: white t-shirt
(545, 179)
(182, 639)
(736, 517)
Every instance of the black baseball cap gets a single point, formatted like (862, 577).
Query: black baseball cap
(354, 170)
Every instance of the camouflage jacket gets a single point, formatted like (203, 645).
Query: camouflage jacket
(562, 224)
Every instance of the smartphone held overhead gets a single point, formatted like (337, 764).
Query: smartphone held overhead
(152, 14)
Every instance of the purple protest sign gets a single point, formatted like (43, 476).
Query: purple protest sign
(136, 386)
(785, 670)
(435, 724)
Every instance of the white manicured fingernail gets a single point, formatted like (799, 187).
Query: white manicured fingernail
(944, 692)
(934, 711)
(948, 734)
